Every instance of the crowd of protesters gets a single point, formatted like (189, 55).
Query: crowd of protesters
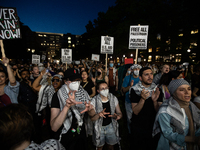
(60, 106)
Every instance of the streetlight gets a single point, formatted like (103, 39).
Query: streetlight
(188, 50)
(131, 55)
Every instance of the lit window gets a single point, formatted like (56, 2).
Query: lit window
(149, 58)
(73, 45)
(69, 45)
(33, 50)
(157, 57)
(69, 38)
(194, 31)
(150, 50)
(181, 34)
(45, 35)
(157, 49)
(158, 36)
(41, 43)
(69, 42)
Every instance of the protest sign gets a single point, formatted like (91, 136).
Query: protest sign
(35, 59)
(43, 57)
(128, 61)
(95, 57)
(107, 45)
(138, 37)
(9, 24)
(77, 62)
(66, 55)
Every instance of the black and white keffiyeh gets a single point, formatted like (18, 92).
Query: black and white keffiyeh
(50, 144)
(44, 97)
(139, 87)
(97, 103)
(80, 96)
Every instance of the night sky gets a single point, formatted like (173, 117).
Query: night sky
(58, 16)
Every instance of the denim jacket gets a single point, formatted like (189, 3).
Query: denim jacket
(12, 92)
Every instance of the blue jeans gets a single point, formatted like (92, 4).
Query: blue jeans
(108, 135)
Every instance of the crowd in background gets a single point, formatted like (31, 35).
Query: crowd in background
(60, 106)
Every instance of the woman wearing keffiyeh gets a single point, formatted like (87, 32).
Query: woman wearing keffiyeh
(178, 119)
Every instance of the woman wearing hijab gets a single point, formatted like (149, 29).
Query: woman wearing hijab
(178, 119)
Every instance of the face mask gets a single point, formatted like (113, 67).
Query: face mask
(104, 92)
(136, 72)
(129, 72)
(74, 85)
(111, 65)
(118, 64)
(98, 73)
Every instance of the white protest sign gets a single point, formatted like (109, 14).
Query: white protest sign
(138, 37)
(95, 57)
(43, 57)
(107, 45)
(66, 55)
(35, 59)
(77, 62)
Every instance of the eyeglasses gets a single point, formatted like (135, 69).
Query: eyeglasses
(53, 80)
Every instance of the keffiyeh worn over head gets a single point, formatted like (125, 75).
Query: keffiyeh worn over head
(139, 87)
(174, 84)
(135, 66)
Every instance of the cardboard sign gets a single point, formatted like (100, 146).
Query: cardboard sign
(43, 57)
(128, 61)
(107, 45)
(138, 37)
(9, 24)
(95, 57)
(35, 59)
(66, 55)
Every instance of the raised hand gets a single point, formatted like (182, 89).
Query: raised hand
(103, 113)
(132, 82)
(145, 94)
(155, 95)
(88, 107)
(115, 116)
(71, 100)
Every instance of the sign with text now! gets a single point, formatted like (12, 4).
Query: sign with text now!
(9, 24)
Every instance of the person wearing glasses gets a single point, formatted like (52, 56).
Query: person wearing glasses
(46, 86)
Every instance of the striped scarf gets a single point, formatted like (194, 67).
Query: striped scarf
(80, 96)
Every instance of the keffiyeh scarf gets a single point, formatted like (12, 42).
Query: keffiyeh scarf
(139, 87)
(80, 96)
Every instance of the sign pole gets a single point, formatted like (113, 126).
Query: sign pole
(136, 56)
(2, 49)
(106, 61)
(66, 65)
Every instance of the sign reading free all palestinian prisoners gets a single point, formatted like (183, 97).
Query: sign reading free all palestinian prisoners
(9, 24)
(138, 37)
(66, 55)
(107, 45)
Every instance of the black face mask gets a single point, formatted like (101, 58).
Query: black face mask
(14, 69)
(98, 73)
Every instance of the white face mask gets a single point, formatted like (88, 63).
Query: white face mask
(129, 72)
(74, 85)
(104, 92)
(136, 72)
